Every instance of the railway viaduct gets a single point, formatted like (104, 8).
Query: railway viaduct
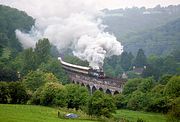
(107, 85)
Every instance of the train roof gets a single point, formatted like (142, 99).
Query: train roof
(73, 65)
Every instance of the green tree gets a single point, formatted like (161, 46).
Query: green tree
(140, 60)
(173, 87)
(4, 93)
(49, 92)
(101, 104)
(119, 101)
(174, 112)
(54, 66)
(170, 65)
(157, 102)
(61, 98)
(131, 85)
(146, 85)
(10, 20)
(29, 62)
(8, 74)
(17, 93)
(36, 79)
(164, 79)
(77, 96)
(126, 60)
(138, 101)
(42, 51)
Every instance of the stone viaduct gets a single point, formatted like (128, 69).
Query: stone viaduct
(107, 85)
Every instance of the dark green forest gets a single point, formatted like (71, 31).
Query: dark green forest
(155, 30)
(35, 76)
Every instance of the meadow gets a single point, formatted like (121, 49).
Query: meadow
(133, 116)
(34, 113)
(30, 113)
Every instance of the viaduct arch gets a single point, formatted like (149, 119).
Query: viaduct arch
(107, 85)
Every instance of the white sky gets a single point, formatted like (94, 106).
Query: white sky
(112, 4)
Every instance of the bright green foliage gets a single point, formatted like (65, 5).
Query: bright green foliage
(49, 92)
(131, 85)
(140, 60)
(101, 104)
(36, 79)
(33, 80)
(60, 99)
(77, 96)
(173, 87)
(137, 101)
(146, 84)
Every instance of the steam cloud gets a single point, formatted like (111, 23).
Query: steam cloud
(69, 24)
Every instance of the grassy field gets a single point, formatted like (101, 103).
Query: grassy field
(30, 113)
(132, 116)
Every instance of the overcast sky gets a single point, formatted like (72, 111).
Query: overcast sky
(112, 4)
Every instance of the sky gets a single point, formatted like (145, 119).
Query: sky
(111, 4)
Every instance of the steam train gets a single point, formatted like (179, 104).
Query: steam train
(82, 70)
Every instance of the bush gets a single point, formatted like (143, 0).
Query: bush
(138, 101)
(13, 92)
(173, 87)
(4, 93)
(77, 96)
(174, 112)
(17, 93)
(49, 92)
(101, 104)
(119, 101)
(36, 79)
(160, 104)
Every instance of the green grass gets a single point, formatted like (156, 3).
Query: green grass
(132, 116)
(30, 113)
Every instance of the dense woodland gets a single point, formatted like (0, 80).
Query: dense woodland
(155, 30)
(35, 76)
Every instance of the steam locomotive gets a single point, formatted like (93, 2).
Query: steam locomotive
(82, 70)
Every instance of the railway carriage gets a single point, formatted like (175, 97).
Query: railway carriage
(81, 69)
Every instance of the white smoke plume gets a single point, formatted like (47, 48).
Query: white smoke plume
(69, 24)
